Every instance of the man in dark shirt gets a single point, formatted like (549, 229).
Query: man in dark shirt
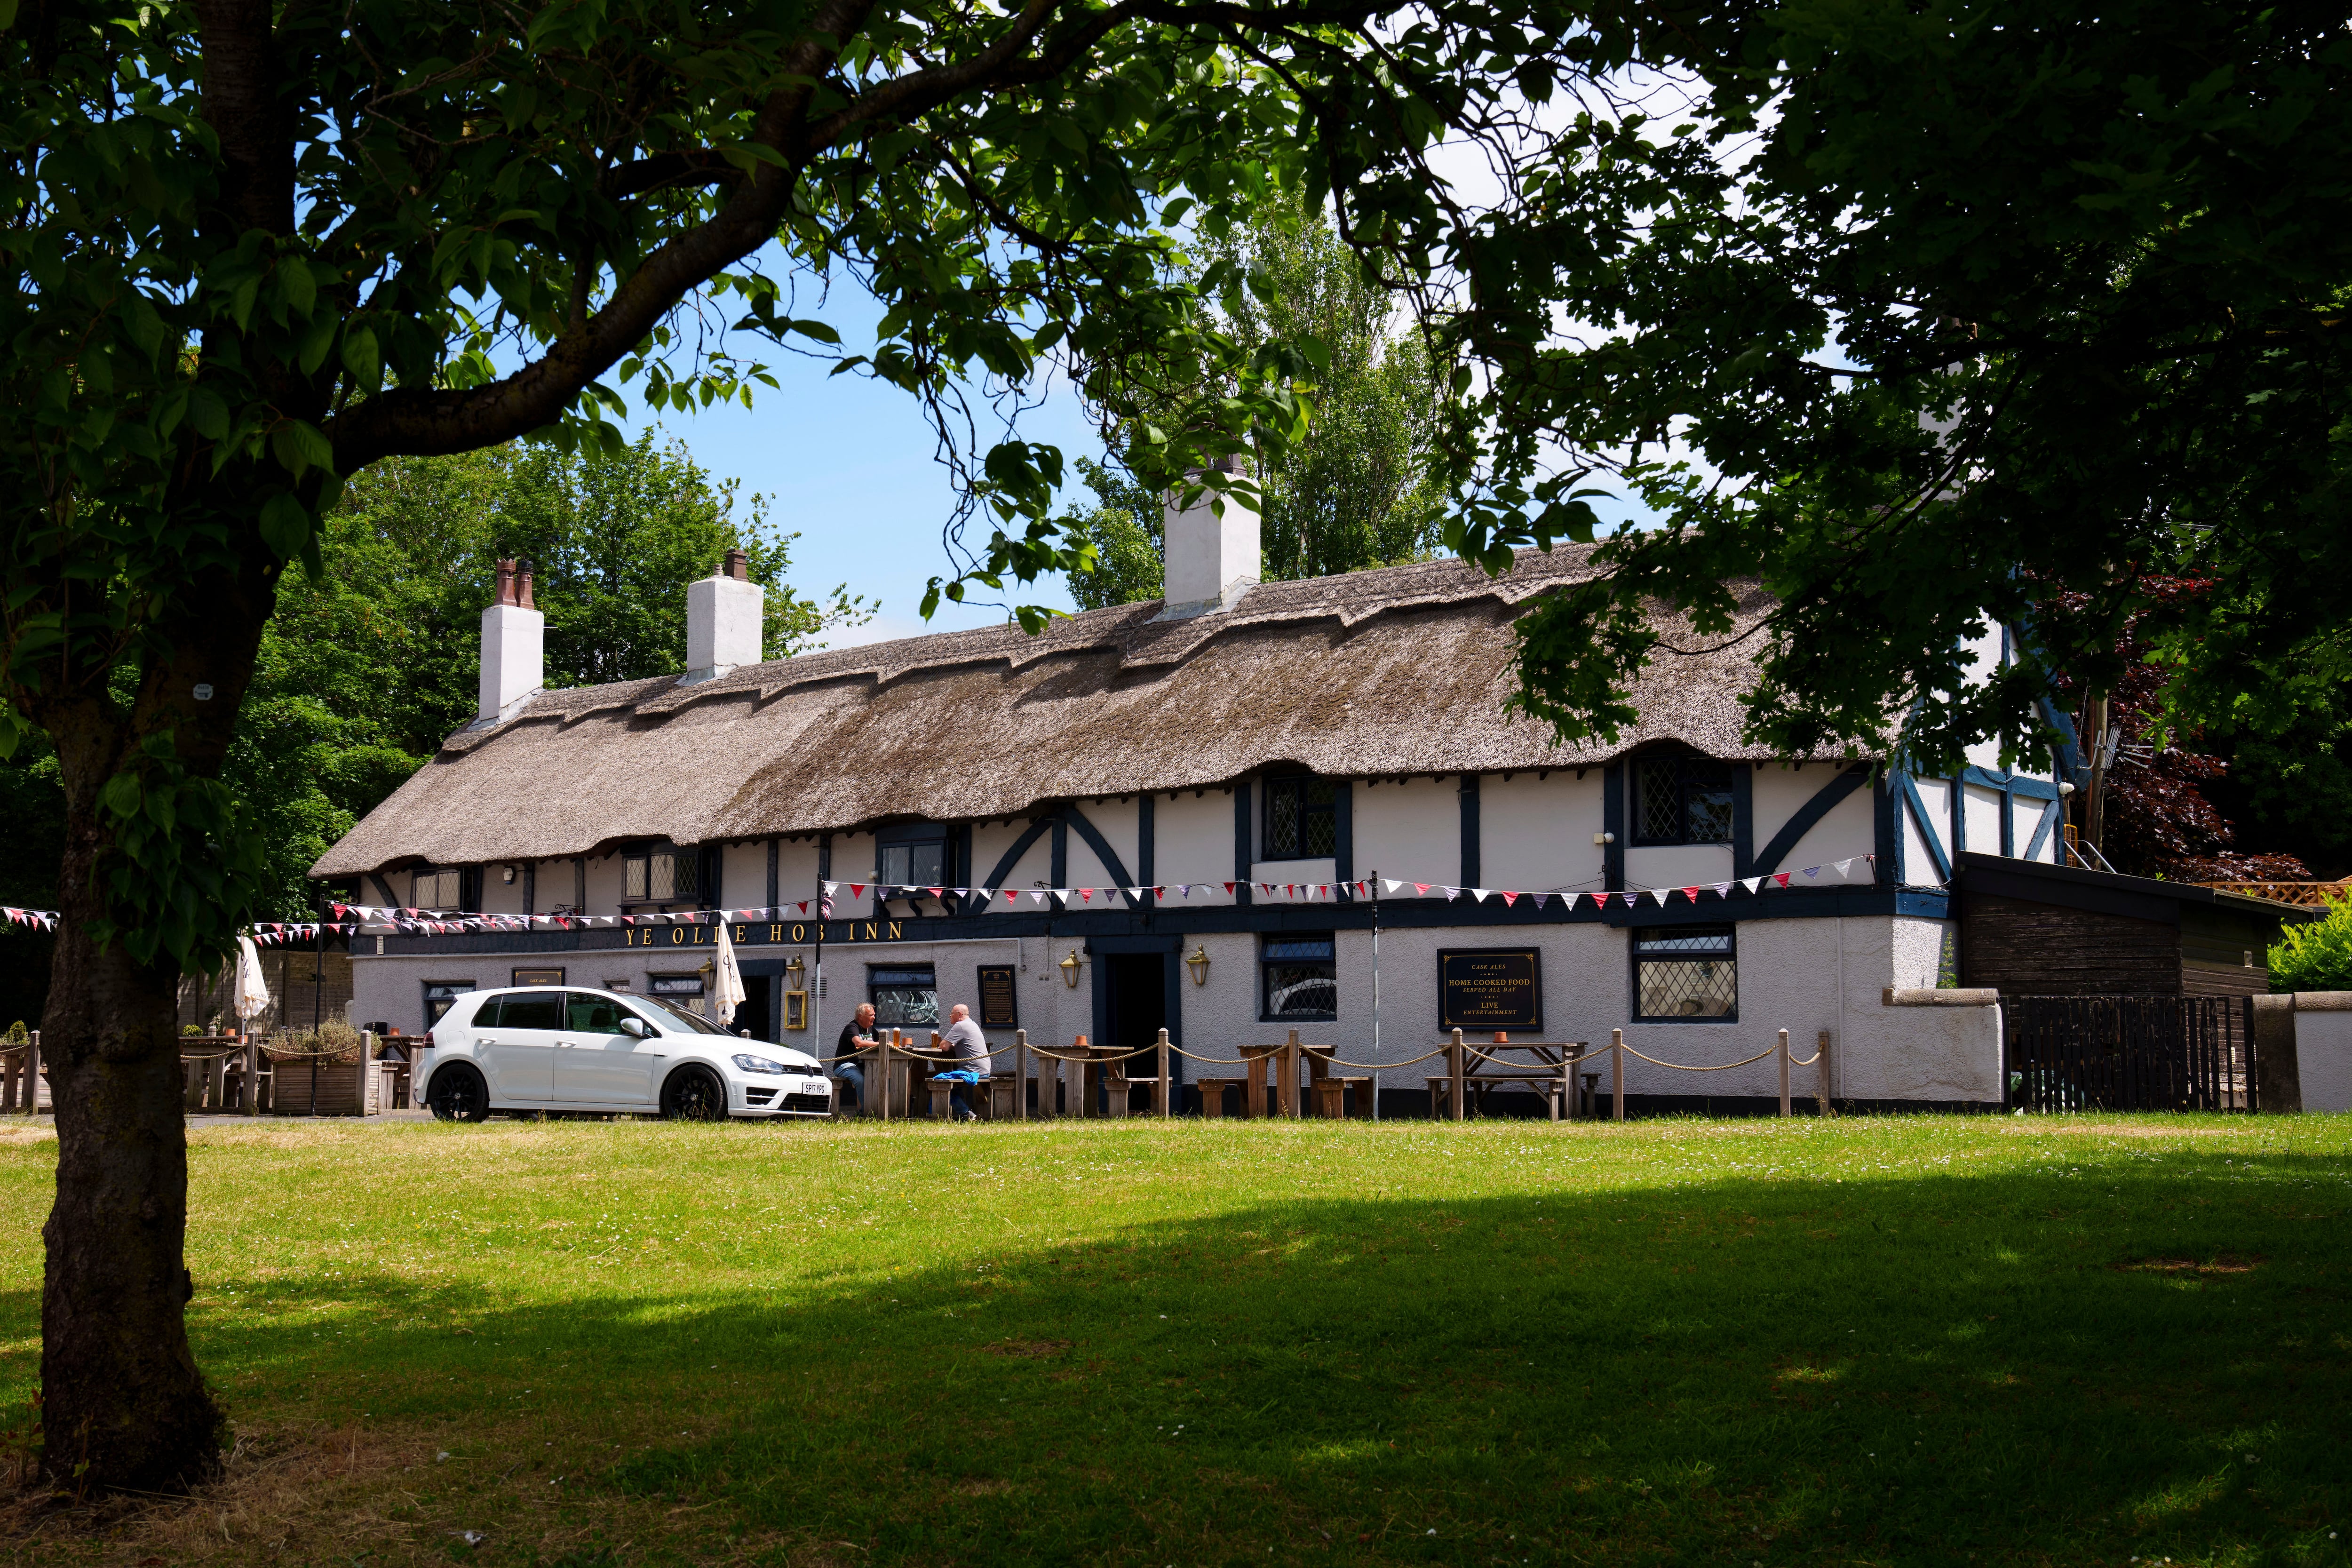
(857, 1035)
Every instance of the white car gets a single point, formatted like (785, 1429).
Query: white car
(548, 1048)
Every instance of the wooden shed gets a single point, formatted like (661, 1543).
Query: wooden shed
(2028, 929)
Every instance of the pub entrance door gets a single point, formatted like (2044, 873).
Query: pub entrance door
(1136, 1009)
(755, 1012)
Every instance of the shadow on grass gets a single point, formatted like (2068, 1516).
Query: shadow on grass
(2120, 1361)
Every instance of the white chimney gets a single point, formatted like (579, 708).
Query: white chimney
(514, 647)
(723, 616)
(1210, 550)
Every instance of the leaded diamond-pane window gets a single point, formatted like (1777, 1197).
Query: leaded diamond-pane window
(1686, 972)
(1682, 800)
(1302, 819)
(1301, 978)
(658, 877)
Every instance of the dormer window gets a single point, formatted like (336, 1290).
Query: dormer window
(913, 855)
(920, 863)
(1302, 818)
(1682, 798)
(659, 877)
(442, 887)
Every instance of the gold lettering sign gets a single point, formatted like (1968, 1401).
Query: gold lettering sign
(1490, 988)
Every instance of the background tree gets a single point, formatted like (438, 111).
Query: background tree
(362, 672)
(1919, 306)
(251, 250)
(1358, 489)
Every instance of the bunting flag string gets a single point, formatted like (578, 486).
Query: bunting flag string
(351, 919)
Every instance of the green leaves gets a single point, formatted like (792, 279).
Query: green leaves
(286, 525)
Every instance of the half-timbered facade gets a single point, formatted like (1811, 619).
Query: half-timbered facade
(1296, 805)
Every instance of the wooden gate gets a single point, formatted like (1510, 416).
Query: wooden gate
(2128, 1053)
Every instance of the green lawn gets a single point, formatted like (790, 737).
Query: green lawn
(1924, 1339)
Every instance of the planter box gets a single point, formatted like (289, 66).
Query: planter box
(344, 1089)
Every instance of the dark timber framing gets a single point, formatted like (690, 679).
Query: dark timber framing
(1803, 820)
(1469, 793)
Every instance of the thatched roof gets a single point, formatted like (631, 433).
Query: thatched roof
(1390, 672)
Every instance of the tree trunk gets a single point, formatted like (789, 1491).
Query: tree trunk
(123, 1404)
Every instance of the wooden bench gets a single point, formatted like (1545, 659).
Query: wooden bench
(1552, 1086)
(1213, 1096)
(1003, 1102)
(1331, 1097)
(982, 1096)
(1116, 1090)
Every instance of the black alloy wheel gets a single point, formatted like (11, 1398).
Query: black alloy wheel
(694, 1094)
(458, 1094)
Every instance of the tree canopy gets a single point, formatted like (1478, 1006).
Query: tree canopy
(1924, 315)
(1359, 486)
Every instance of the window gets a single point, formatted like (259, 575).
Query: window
(922, 863)
(1299, 978)
(588, 1014)
(659, 877)
(438, 890)
(905, 996)
(1682, 800)
(529, 1010)
(1302, 819)
(1685, 972)
(439, 994)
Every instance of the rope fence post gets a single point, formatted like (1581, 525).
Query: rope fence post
(1021, 1076)
(33, 1075)
(1784, 1072)
(882, 1038)
(1286, 1087)
(1822, 1094)
(1617, 1072)
(1456, 1066)
(1161, 1090)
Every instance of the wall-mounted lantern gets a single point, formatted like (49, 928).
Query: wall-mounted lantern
(1198, 963)
(1070, 970)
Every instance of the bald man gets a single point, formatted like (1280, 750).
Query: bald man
(969, 1046)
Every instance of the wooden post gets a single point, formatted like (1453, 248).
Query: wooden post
(1784, 1072)
(1285, 1082)
(1456, 1065)
(33, 1075)
(882, 1038)
(1617, 1072)
(371, 1080)
(1074, 1081)
(252, 1076)
(1822, 1095)
(1021, 1077)
(1164, 1096)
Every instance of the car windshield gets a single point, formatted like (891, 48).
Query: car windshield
(695, 1021)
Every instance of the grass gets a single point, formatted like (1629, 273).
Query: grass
(1916, 1341)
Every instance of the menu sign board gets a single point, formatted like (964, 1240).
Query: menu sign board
(998, 1007)
(1490, 988)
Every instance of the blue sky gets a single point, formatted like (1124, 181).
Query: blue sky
(847, 463)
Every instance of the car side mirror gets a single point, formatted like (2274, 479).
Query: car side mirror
(634, 1027)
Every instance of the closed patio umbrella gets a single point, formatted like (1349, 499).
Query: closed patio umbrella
(729, 993)
(250, 995)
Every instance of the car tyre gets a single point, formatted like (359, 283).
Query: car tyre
(694, 1094)
(458, 1094)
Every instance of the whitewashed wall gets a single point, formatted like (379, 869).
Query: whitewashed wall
(1411, 831)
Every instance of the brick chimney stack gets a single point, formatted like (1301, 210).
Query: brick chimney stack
(514, 646)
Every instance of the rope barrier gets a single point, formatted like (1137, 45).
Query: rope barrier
(1380, 1067)
(1726, 1067)
(1805, 1061)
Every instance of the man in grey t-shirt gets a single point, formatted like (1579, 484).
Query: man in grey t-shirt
(969, 1048)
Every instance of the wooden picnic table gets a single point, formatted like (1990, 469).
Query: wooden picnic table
(1285, 1067)
(1550, 1073)
(893, 1093)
